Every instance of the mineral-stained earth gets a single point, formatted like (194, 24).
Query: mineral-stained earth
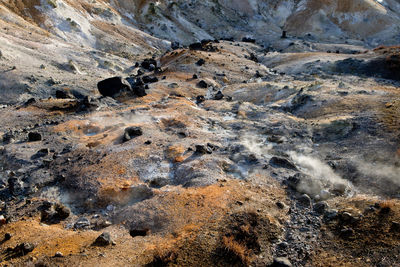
(200, 133)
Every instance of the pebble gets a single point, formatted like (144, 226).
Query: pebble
(281, 262)
(58, 255)
(103, 240)
(321, 207)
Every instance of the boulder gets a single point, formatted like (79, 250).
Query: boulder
(132, 132)
(34, 136)
(112, 86)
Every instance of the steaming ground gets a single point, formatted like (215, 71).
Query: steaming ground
(291, 151)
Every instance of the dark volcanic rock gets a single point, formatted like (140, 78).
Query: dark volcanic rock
(149, 64)
(201, 149)
(112, 86)
(139, 232)
(200, 99)
(202, 84)
(282, 163)
(20, 250)
(103, 240)
(132, 132)
(321, 207)
(195, 46)
(15, 186)
(34, 136)
(219, 95)
(200, 62)
(137, 85)
(149, 79)
(248, 40)
(63, 94)
(54, 213)
(253, 57)
(175, 45)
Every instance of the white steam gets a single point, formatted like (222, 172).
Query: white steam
(321, 181)
(380, 170)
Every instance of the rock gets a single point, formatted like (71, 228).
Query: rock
(347, 217)
(219, 96)
(346, 232)
(112, 86)
(149, 79)
(282, 245)
(58, 254)
(7, 236)
(201, 149)
(305, 199)
(15, 186)
(281, 262)
(248, 40)
(34, 136)
(201, 62)
(275, 139)
(200, 99)
(139, 232)
(30, 101)
(282, 163)
(280, 205)
(23, 249)
(175, 45)
(137, 86)
(194, 77)
(3, 220)
(321, 207)
(54, 213)
(103, 240)
(395, 227)
(8, 138)
(330, 215)
(283, 36)
(195, 46)
(202, 84)
(173, 85)
(253, 57)
(52, 82)
(132, 132)
(82, 223)
(298, 101)
(63, 212)
(41, 153)
(63, 94)
(149, 64)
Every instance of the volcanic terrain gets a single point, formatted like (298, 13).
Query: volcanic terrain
(199, 133)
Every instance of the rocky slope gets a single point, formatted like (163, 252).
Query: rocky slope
(246, 149)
